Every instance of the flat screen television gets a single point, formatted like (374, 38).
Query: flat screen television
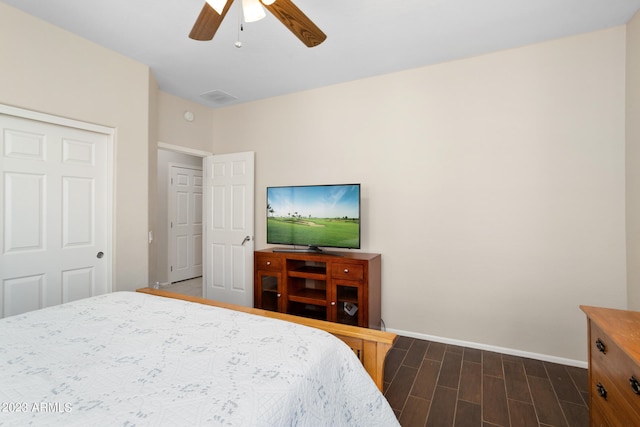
(314, 216)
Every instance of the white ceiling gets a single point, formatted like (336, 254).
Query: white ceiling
(364, 38)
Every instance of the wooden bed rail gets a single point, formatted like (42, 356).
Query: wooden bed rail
(371, 346)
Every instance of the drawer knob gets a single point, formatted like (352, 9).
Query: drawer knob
(601, 391)
(279, 295)
(268, 262)
(600, 346)
(635, 385)
(346, 271)
(333, 303)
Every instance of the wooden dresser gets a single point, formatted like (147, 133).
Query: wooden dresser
(614, 366)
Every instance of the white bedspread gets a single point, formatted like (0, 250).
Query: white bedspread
(134, 359)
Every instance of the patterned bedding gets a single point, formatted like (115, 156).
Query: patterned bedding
(133, 359)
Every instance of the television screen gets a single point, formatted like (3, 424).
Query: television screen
(314, 216)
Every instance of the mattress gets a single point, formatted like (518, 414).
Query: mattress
(134, 359)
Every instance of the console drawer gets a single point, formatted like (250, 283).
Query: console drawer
(267, 262)
(347, 271)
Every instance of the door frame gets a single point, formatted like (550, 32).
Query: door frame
(110, 134)
(182, 150)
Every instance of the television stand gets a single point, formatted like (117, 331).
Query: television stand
(342, 287)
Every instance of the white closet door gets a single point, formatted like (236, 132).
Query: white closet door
(54, 246)
(185, 224)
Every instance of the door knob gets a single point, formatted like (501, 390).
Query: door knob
(100, 254)
(246, 239)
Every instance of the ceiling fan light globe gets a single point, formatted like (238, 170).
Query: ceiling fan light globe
(217, 5)
(252, 10)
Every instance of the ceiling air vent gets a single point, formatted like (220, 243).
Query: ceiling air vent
(218, 97)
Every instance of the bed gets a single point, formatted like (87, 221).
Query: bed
(133, 358)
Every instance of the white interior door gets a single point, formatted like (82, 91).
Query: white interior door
(54, 216)
(185, 247)
(229, 226)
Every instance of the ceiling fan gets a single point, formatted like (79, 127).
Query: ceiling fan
(288, 13)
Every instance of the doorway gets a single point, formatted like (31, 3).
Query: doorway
(178, 215)
(227, 225)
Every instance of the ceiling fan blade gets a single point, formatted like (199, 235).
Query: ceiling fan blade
(297, 22)
(208, 22)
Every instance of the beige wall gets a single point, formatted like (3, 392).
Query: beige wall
(154, 94)
(175, 130)
(191, 136)
(492, 186)
(633, 164)
(52, 71)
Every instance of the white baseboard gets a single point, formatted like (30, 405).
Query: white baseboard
(510, 351)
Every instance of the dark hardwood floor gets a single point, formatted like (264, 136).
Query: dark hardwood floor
(439, 385)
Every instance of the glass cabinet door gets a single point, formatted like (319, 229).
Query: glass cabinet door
(347, 303)
(269, 290)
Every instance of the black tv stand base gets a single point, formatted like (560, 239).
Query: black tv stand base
(309, 250)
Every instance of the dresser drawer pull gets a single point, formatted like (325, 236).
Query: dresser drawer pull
(635, 385)
(600, 346)
(601, 391)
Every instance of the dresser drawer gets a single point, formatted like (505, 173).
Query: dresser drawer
(607, 359)
(610, 409)
(268, 262)
(347, 271)
(597, 417)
